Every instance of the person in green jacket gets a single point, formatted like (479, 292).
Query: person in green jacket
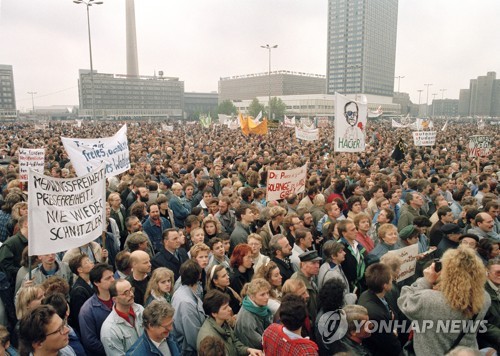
(216, 306)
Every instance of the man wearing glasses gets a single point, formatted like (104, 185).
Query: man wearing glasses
(124, 324)
(43, 332)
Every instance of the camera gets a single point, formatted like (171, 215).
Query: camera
(438, 266)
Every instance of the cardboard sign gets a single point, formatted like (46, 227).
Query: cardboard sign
(350, 124)
(281, 184)
(479, 146)
(30, 157)
(65, 213)
(409, 256)
(424, 138)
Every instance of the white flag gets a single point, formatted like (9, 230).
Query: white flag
(350, 124)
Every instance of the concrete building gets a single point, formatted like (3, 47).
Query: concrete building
(120, 96)
(464, 103)
(200, 103)
(247, 87)
(7, 94)
(444, 108)
(318, 104)
(361, 51)
(482, 97)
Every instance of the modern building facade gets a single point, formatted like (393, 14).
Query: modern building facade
(282, 82)
(119, 96)
(482, 98)
(318, 104)
(361, 51)
(444, 108)
(7, 94)
(199, 103)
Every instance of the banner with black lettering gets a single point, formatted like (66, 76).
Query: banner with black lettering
(30, 157)
(350, 124)
(424, 138)
(65, 213)
(86, 154)
(479, 146)
(281, 184)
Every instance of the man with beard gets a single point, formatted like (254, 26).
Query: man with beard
(281, 252)
(155, 225)
(225, 215)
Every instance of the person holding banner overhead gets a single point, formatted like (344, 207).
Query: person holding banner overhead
(93, 250)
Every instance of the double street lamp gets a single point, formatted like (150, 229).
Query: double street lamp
(88, 4)
(269, 48)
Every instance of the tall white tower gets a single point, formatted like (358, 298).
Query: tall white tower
(132, 62)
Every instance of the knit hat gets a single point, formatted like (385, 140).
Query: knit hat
(407, 232)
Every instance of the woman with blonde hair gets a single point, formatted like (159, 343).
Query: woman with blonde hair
(18, 210)
(160, 286)
(254, 316)
(271, 273)
(211, 227)
(455, 293)
(28, 299)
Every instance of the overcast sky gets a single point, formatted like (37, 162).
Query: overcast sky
(443, 42)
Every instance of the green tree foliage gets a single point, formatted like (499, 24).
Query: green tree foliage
(278, 108)
(227, 108)
(255, 108)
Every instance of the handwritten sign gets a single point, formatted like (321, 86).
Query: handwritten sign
(30, 157)
(479, 146)
(86, 154)
(306, 135)
(322, 121)
(167, 128)
(65, 213)
(424, 138)
(281, 184)
(409, 256)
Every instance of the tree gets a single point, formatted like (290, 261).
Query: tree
(227, 108)
(278, 108)
(255, 108)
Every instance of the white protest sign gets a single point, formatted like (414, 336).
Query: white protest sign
(424, 138)
(322, 121)
(30, 157)
(167, 128)
(350, 124)
(289, 122)
(479, 146)
(86, 154)
(306, 135)
(281, 184)
(409, 256)
(65, 213)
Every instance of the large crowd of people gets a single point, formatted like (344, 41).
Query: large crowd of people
(196, 261)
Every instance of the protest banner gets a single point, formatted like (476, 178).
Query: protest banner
(479, 146)
(424, 138)
(289, 122)
(30, 157)
(306, 123)
(409, 256)
(86, 154)
(350, 124)
(65, 213)
(281, 184)
(322, 121)
(167, 128)
(306, 135)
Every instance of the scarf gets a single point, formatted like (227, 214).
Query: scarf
(263, 312)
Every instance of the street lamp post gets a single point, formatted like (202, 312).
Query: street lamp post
(442, 93)
(32, 93)
(399, 77)
(419, 97)
(433, 103)
(88, 4)
(269, 48)
(427, 100)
